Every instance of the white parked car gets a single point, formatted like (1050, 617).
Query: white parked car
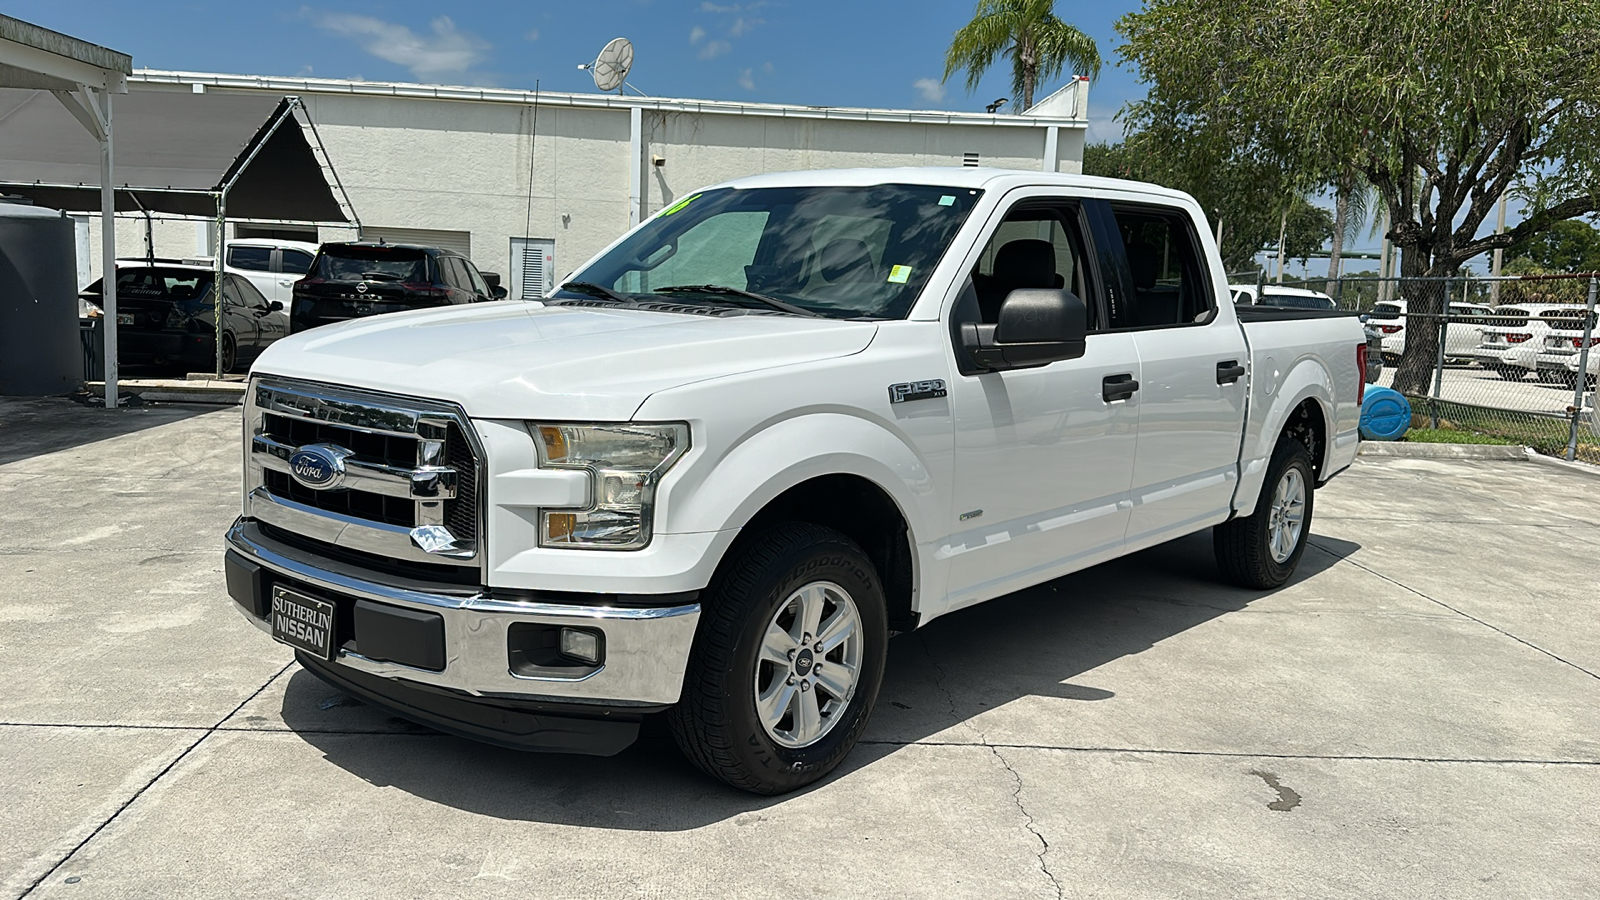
(784, 418)
(1278, 295)
(272, 265)
(1555, 358)
(1463, 334)
(1513, 337)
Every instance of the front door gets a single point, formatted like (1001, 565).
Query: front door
(1044, 459)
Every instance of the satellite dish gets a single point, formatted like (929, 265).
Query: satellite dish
(612, 65)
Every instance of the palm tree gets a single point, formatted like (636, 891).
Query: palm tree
(1038, 43)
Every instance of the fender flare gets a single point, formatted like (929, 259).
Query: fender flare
(1307, 379)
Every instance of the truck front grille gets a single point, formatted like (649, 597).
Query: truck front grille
(389, 477)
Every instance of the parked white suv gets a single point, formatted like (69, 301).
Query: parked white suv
(272, 265)
(1555, 358)
(1463, 334)
(1513, 337)
(1278, 295)
(782, 419)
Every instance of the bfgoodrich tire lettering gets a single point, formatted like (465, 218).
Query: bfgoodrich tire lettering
(1246, 549)
(717, 722)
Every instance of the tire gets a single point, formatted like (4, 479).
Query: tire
(1245, 548)
(738, 661)
(230, 353)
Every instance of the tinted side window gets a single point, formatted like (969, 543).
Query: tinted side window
(1037, 246)
(296, 262)
(1170, 283)
(257, 259)
(450, 272)
(474, 278)
(247, 293)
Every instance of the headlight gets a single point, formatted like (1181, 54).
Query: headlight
(624, 461)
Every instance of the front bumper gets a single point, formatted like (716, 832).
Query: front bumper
(646, 646)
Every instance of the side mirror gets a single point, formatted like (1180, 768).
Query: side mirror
(492, 279)
(275, 306)
(1036, 327)
(498, 292)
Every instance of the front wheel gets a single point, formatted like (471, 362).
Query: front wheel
(230, 353)
(787, 661)
(1261, 550)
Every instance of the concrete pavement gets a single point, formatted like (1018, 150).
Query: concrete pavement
(1415, 715)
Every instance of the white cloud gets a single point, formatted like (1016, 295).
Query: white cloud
(767, 67)
(931, 89)
(715, 49)
(696, 34)
(742, 26)
(1105, 129)
(532, 35)
(746, 79)
(445, 51)
(714, 8)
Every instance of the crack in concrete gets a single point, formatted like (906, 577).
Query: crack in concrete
(1016, 777)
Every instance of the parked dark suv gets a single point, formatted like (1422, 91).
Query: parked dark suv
(357, 280)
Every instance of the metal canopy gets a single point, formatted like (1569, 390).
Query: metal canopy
(176, 152)
(83, 76)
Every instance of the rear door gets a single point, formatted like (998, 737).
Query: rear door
(1043, 457)
(291, 265)
(1192, 356)
(256, 264)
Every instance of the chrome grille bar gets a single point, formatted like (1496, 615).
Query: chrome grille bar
(426, 482)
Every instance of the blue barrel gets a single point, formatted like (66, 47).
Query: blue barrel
(1385, 415)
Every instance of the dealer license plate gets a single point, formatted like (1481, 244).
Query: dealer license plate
(302, 622)
(124, 318)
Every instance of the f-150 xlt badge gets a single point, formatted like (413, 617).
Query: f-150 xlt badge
(917, 390)
(318, 466)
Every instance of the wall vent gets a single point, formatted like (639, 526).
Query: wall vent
(969, 160)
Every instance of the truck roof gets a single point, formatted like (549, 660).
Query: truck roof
(974, 177)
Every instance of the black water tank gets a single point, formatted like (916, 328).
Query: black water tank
(40, 352)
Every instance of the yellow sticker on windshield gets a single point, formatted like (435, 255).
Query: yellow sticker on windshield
(680, 204)
(899, 274)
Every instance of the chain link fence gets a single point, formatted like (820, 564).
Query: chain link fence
(1510, 359)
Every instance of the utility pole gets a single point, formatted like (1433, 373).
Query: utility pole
(1385, 259)
(1499, 253)
(1283, 234)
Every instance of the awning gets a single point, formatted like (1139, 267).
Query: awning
(176, 151)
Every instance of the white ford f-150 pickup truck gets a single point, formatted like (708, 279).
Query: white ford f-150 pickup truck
(781, 420)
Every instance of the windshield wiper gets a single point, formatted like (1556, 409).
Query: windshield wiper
(773, 302)
(598, 290)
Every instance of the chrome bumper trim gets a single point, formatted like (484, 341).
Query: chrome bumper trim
(647, 650)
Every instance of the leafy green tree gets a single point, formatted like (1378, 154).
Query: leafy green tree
(1443, 108)
(1568, 246)
(1028, 32)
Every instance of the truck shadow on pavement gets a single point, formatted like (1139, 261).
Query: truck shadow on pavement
(1043, 642)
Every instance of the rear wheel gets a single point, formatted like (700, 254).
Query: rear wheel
(1261, 550)
(787, 661)
(230, 353)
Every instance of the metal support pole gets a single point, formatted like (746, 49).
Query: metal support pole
(108, 252)
(635, 164)
(1499, 253)
(216, 285)
(1438, 366)
(1582, 379)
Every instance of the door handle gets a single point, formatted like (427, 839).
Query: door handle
(1117, 387)
(1229, 371)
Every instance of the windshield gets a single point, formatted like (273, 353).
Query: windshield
(349, 263)
(845, 252)
(148, 283)
(1385, 311)
(1296, 301)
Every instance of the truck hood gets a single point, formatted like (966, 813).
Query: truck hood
(517, 360)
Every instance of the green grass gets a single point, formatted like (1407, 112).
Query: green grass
(1455, 436)
(1545, 433)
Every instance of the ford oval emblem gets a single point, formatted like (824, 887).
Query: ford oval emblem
(318, 466)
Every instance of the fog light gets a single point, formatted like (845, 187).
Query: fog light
(581, 644)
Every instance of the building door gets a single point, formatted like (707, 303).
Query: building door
(532, 260)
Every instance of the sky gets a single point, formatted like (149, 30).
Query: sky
(806, 52)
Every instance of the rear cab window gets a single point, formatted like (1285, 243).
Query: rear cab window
(256, 259)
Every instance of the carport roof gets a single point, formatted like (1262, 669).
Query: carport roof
(174, 151)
